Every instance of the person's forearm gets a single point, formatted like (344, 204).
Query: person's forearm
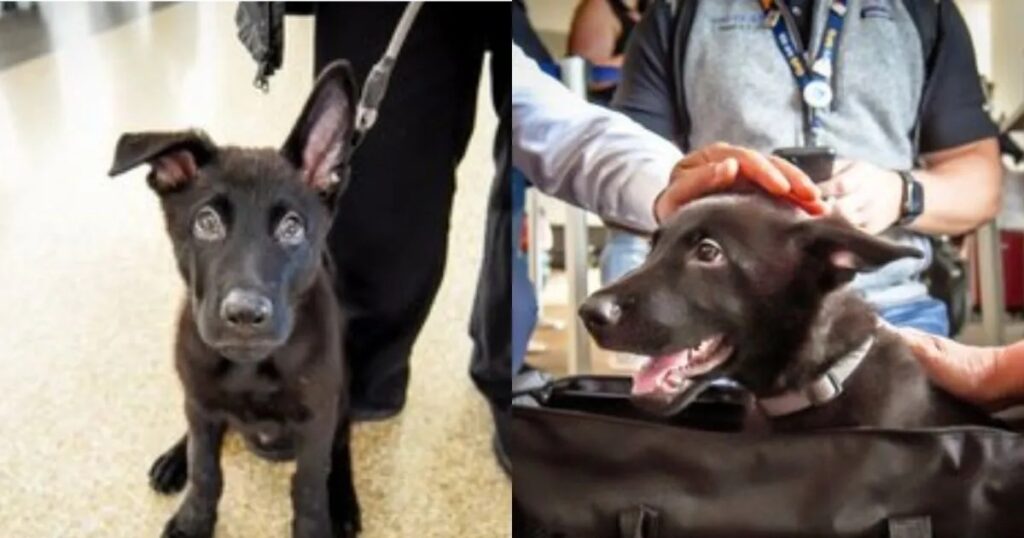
(962, 189)
(584, 154)
(1006, 376)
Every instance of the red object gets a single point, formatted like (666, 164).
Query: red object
(1012, 247)
(524, 235)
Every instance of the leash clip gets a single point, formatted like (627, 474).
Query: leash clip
(376, 84)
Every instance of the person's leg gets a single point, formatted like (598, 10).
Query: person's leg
(390, 235)
(622, 253)
(524, 297)
(928, 315)
(491, 323)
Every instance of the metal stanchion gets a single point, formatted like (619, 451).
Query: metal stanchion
(990, 275)
(574, 76)
(533, 249)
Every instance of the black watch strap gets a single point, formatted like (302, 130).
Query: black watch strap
(912, 202)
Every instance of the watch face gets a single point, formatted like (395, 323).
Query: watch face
(913, 199)
(916, 198)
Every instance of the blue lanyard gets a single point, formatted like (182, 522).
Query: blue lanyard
(815, 82)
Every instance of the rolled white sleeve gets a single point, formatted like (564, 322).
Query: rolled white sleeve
(585, 154)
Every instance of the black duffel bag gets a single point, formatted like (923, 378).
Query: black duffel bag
(585, 465)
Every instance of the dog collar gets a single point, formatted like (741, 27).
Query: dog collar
(822, 390)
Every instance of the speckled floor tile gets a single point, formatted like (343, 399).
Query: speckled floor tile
(88, 296)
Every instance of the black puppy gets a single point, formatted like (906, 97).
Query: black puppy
(748, 288)
(259, 342)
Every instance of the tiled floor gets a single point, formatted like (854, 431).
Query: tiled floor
(25, 31)
(88, 296)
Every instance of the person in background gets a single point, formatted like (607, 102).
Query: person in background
(404, 181)
(599, 33)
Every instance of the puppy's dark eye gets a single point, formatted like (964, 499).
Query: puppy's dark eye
(290, 230)
(208, 226)
(708, 251)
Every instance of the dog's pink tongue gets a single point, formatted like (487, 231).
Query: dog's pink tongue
(647, 379)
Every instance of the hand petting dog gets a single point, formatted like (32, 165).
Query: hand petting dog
(718, 166)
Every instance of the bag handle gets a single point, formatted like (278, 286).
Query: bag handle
(639, 522)
(910, 527)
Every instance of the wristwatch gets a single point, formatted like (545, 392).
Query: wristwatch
(912, 204)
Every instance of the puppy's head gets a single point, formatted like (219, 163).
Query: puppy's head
(730, 288)
(248, 225)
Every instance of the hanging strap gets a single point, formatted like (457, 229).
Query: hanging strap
(684, 14)
(814, 80)
(376, 84)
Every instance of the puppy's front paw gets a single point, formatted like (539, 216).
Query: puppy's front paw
(174, 529)
(169, 472)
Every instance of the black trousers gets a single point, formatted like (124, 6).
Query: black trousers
(390, 235)
(491, 324)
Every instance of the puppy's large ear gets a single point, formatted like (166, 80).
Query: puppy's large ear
(320, 140)
(846, 250)
(175, 157)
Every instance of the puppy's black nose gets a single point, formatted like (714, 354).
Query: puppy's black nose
(246, 309)
(601, 311)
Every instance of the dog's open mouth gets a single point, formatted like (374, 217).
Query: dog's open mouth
(663, 380)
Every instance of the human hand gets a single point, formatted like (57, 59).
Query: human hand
(716, 167)
(966, 372)
(864, 194)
